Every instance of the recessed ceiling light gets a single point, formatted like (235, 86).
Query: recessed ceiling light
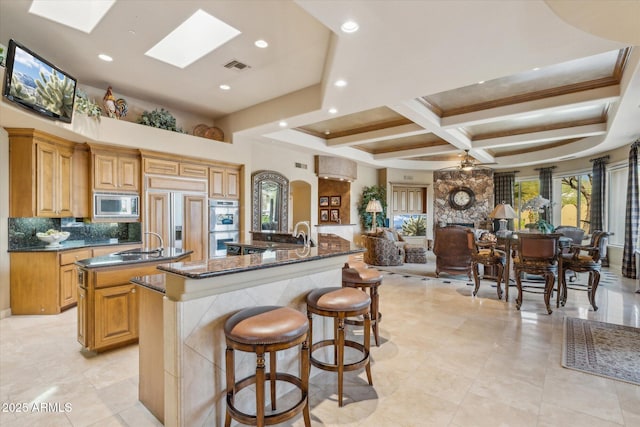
(350, 26)
(481, 82)
(105, 57)
(261, 44)
(282, 124)
(200, 34)
(333, 110)
(225, 87)
(341, 83)
(536, 68)
(327, 132)
(80, 15)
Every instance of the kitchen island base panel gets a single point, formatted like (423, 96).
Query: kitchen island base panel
(195, 342)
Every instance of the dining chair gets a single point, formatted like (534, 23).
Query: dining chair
(584, 259)
(536, 253)
(576, 235)
(485, 253)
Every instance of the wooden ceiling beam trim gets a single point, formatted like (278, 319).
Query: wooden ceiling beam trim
(396, 132)
(543, 136)
(548, 105)
(417, 152)
(420, 114)
(539, 128)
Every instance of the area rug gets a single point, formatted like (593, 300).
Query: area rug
(604, 349)
(423, 271)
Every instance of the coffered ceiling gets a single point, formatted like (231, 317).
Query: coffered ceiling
(514, 82)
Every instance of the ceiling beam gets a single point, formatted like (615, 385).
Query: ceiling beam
(395, 132)
(543, 136)
(585, 98)
(417, 152)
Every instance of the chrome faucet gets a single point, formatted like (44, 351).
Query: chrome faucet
(159, 238)
(305, 236)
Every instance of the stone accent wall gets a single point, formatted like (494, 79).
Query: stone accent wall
(480, 181)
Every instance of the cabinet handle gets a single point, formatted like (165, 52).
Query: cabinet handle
(133, 290)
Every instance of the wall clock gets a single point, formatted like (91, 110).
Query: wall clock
(461, 198)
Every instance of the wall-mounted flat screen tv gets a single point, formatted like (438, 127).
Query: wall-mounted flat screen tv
(37, 85)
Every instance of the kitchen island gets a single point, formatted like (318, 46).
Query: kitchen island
(108, 302)
(201, 295)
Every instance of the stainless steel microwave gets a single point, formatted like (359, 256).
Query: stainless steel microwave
(115, 205)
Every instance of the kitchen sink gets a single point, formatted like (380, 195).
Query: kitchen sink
(141, 251)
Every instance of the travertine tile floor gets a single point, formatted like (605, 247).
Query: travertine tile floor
(446, 359)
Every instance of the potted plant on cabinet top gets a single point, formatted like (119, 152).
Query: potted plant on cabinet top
(162, 119)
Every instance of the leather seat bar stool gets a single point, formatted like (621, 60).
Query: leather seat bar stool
(261, 330)
(364, 279)
(340, 303)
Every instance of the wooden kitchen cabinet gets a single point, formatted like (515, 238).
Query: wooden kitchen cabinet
(82, 316)
(116, 315)
(113, 171)
(224, 183)
(41, 176)
(195, 236)
(48, 289)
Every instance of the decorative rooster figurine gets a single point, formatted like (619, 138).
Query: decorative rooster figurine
(115, 108)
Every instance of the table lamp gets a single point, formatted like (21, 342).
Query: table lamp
(503, 212)
(374, 206)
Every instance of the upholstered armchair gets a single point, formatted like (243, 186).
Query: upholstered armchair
(382, 251)
(452, 249)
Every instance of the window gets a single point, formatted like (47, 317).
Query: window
(523, 192)
(575, 200)
(617, 193)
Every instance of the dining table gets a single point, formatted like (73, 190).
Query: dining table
(504, 242)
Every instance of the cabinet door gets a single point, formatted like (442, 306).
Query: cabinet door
(216, 183)
(158, 216)
(82, 316)
(116, 315)
(47, 179)
(65, 184)
(105, 169)
(68, 285)
(128, 173)
(233, 184)
(195, 234)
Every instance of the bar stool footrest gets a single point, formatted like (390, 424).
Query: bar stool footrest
(270, 419)
(333, 367)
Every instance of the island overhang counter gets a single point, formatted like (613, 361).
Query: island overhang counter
(201, 295)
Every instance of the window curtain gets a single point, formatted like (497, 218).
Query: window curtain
(546, 192)
(598, 184)
(632, 216)
(503, 186)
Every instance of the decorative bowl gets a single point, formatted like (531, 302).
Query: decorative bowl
(53, 239)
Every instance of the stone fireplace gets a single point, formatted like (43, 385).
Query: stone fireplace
(480, 181)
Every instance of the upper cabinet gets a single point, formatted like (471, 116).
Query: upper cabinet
(42, 181)
(224, 183)
(116, 171)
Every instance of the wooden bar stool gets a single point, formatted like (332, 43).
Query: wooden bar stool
(261, 330)
(340, 303)
(365, 278)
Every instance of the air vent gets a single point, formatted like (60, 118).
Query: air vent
(408, 177)
(301, 165)
(236, 65)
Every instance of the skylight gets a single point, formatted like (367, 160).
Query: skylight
(200, 34)
(80, 15)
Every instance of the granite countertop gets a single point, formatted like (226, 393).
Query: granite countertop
(76, 244)
(155, 282)
(328, 245)
(264, 244)
(167, 255)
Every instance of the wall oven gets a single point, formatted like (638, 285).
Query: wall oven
(224, 225)
(224, 215)
(116, 205)
(217, 240)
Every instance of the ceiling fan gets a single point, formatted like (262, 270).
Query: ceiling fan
(468, 163)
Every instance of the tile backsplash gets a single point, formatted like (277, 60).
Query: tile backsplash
(22, 231)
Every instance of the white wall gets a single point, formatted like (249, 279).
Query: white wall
(5, 297)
